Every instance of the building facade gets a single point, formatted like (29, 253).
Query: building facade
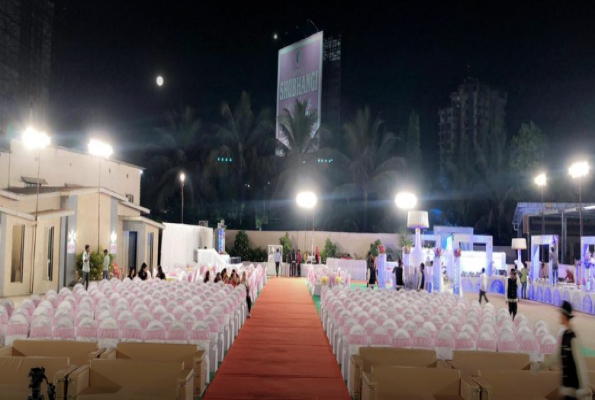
(82, 200)
(475, 112)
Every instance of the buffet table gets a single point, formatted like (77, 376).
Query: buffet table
(581, 300)
(356, 268)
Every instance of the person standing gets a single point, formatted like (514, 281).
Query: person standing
(106, 260)
(317, 255)
(512, 298)
(421, 279)
(143, 274)
(542, 274)
(293, 260)
(575, 377)
(244, 281)
(371, 273)
(398, 271)
(554, 259)
(299, 264)
(86, 266)
(277, 261)
(483, 286)
(524, 275)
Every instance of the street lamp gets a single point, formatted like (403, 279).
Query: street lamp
(577, 171)
(35, 140)
(182, 180)
(405, 200)
(103, 151)
(307, 200)
(541, 182)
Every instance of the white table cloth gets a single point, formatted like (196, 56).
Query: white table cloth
(356, 268)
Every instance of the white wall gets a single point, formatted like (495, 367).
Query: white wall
(356, 244)
(60, 167)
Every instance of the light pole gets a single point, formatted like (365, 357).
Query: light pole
(35, 140)
(541, 182)
(577, 171)
(307, 200)
(407, 201)
(103, 151)
(182, 180)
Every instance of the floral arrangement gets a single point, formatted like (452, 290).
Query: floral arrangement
(407, 249)
(457, 253)
(437, 252)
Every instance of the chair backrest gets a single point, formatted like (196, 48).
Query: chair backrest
(132, 331)
(402, 338)
(155, 332)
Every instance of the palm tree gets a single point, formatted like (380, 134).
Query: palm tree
(299, 143)
(372, 165)
(246, 139)
(178, 151)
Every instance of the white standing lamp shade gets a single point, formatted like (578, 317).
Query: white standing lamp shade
(519, 244)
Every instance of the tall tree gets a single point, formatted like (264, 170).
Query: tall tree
(243, 137)
(372, 163)
(528, 149)
(178, 151)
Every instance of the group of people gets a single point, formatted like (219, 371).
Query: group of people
(372, 273)
(233, 280)
(295, 260)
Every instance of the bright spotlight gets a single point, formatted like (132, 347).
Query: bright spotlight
(159, 80)
(406, 200)
(579, 169)
(306, 199)
(541, 180)
(182, 177)
(33, 139)
(99, 148)
(275, 36)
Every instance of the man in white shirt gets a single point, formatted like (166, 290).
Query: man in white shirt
(106, 260)
(277, 261)
(86, 266)
(483, 286)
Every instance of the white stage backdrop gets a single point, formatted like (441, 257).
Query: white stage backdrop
(179, 242)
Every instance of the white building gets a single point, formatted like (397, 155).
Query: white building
(82, 200)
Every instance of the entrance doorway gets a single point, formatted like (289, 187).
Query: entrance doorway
(132, 238)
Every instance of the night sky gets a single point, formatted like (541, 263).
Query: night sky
(397, 57)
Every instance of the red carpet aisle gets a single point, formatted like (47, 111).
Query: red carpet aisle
(281, 352)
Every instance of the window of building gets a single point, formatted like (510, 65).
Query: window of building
(50, 254)
(18, 252)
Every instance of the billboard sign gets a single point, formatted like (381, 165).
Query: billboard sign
(299, 77)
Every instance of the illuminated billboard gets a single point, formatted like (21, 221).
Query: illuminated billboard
(299, 77)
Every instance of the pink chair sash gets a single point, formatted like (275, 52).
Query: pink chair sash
(486, 344)
(507, 346)
(86, 332)
(200, 335)
(4, 319)
(214, 327)
(370, 329)
(136, 334)
(357, 339)
(41, 332)
(423, 342)
(464, 344)
(17, 329)
(402, 342)
(380, 340)
(64, 333)
(158, 334)
(528, 346)
(177, 335)
(446, 343)
(108, 333)
(547, 348)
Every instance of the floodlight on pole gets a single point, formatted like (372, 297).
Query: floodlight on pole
(102, 150)
(541, 181)
(35, 140)
(406, 200)
(307, 200)
(159, 80)
(182, 181)
(577, 171)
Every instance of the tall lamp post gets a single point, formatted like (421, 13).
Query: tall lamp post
(541, 182)
(406, 201)
(182, 180)
(578, 171)
(102, 151)
(35, 140)
(307, 200)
